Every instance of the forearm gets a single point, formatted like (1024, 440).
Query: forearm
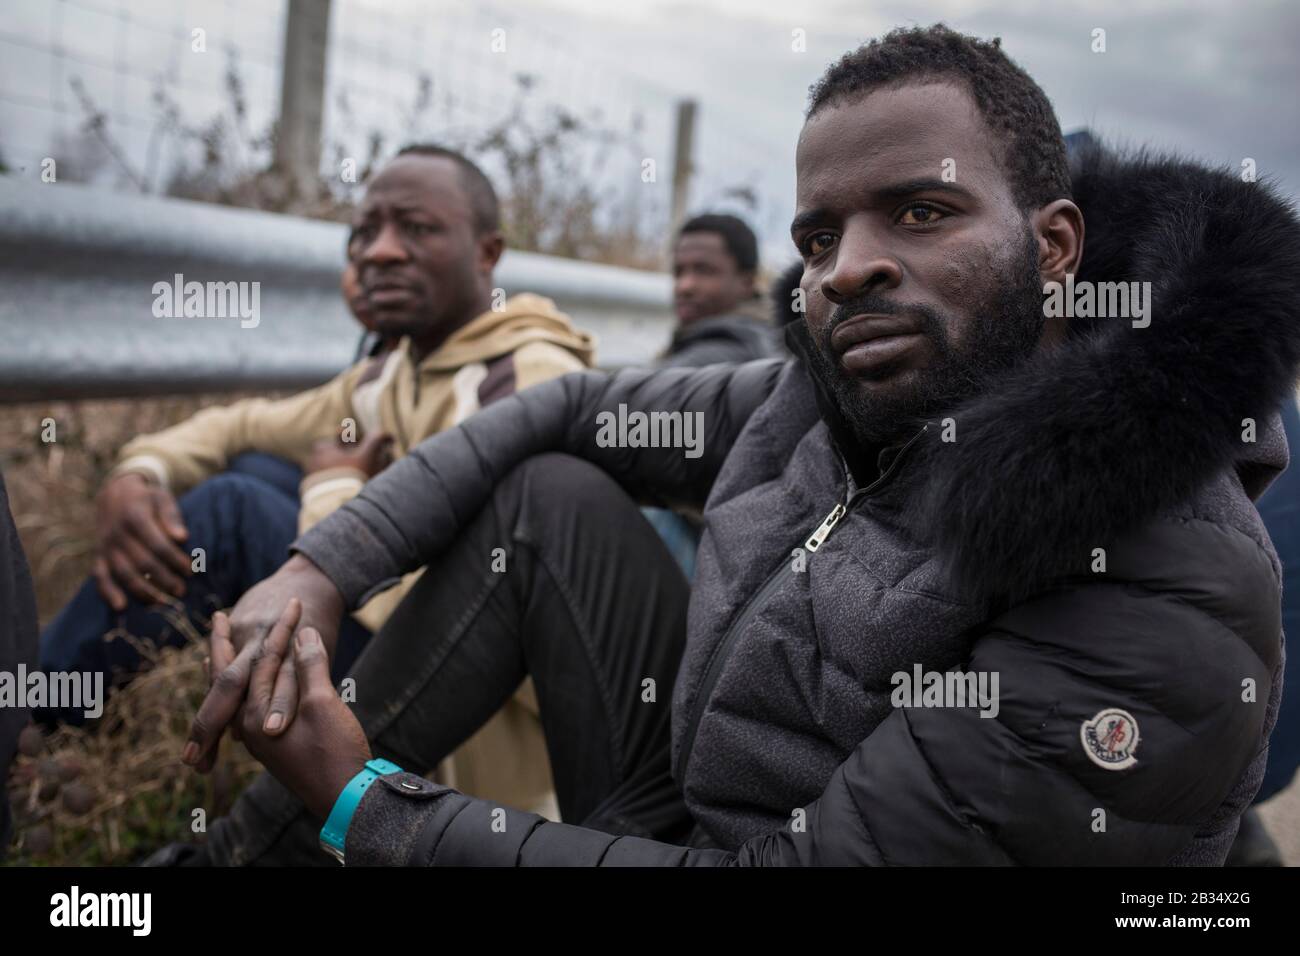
(416, 507)
(405, 820)
(187, 453)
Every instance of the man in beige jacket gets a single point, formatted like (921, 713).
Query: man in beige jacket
(424, 244)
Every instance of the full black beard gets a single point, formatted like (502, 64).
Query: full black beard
(1007, 327)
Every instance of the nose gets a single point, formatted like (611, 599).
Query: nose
(386, 248)
(861, 265)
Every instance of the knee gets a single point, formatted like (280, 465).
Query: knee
(221, 493)
(557, 479)
(239, 503)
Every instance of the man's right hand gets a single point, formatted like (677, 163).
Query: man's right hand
(370, 456)
(140, 536)
(251, 621)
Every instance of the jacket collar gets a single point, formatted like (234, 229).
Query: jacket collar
(1080, 446)
(865, 464)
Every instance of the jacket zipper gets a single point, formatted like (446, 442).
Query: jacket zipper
(815, 540)
(818, 536)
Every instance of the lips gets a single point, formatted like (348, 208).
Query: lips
(867, 343)
(388, 292)
(686, 308)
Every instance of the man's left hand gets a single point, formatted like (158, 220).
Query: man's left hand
(324, 747)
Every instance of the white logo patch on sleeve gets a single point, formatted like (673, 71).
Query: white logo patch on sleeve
(1110, 738)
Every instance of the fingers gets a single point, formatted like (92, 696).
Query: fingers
(221, 649)
(374, 451)
(121, 563)
(170, 515)
(311, 664)
(157, 532)
(229, 685)
(284, 699)
(108, 588)
(148, 565)
(267, 708)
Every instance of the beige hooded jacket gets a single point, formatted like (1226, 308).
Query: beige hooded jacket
(496, 354)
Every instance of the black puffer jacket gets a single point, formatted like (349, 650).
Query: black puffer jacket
(1135, 697)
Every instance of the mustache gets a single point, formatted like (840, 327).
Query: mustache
(931, 323)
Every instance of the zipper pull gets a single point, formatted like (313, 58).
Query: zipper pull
(817, 537)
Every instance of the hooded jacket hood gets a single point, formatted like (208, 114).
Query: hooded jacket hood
(523, 318)
(1121, 423)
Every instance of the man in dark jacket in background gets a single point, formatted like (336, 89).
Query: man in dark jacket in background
(721, 315)
(722, 318)
(980, 583)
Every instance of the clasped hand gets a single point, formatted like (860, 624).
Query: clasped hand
(270, 683)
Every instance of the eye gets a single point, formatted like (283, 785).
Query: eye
(920, 214)
(419, 228)
(818, 242)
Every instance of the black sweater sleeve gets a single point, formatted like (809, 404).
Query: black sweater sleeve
(415, 508)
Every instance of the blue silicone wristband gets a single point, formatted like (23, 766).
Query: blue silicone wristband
(336, 827)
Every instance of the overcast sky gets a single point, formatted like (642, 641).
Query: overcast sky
(1218, 81)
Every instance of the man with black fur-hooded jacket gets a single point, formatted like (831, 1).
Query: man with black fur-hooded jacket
(944, 484)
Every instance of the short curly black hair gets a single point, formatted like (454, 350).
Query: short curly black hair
(482, 196)
(736, 236)
(1012, 104)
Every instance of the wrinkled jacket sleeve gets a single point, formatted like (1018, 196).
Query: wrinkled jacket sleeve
(194, 450)
(945, 785)
(415, 508)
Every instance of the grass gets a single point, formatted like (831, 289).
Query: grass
(112, 794)
(115, 794)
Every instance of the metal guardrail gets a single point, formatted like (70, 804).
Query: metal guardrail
(77, 273)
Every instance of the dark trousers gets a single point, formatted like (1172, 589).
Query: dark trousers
(244, 520)
(590, 604)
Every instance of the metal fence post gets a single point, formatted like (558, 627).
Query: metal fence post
(302, 93)
(682, 164)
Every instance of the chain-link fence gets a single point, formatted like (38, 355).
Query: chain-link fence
(182, 98)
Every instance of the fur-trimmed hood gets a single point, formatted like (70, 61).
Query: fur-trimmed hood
(1121, 423)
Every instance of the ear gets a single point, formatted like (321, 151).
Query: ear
(1059, 228)
(490, 247)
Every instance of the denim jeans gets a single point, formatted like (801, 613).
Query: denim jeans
(680, 537)
(244, 520)
(1280, 509)
(590, 604)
